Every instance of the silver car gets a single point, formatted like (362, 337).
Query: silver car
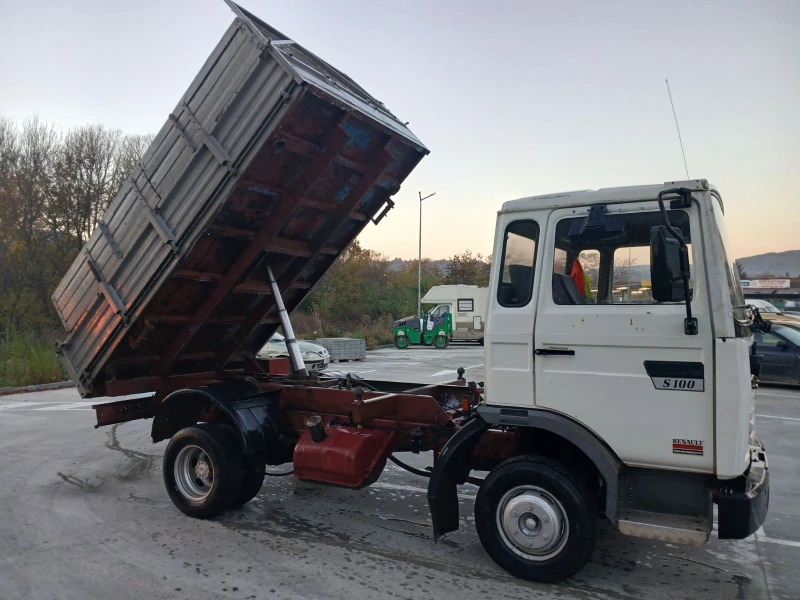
(315, 356)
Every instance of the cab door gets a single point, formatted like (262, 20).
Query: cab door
(508, 340)
(608, 355)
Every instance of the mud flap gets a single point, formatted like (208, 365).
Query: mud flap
(451, 469)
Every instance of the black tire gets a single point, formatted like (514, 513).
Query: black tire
(543, 482)
(196, 497)
(441, 341)
(253, 470)
(252, 479)
(480, 341)
(402, 341)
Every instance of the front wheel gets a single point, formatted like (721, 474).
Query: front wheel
(441, 341)
(402, 341)
(535, 519)
(202, 471)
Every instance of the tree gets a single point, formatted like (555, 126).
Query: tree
(468, 269)
(354, 287)
(84, 183)
(28, 163)
(590, 262)
(54, 188)
(623, 274)
(402, 291)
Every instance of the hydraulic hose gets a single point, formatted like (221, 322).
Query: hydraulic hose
(473, 480)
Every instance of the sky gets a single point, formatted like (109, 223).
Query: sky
(513, 98)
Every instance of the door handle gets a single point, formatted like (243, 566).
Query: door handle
(554, 352)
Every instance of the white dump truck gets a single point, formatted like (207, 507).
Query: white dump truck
(598, 402)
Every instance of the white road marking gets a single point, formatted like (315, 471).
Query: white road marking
(68, 406)
(445, 372)
(796, 397)
(777, 417)
(21, 405)
(763, 537)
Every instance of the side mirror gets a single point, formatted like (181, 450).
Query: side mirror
(782, 345)
(667, 261)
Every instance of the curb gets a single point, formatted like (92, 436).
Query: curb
(36, 388)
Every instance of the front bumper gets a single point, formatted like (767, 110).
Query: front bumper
(742, 503)
(316, 364)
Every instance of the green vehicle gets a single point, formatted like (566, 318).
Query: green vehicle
(433, 329)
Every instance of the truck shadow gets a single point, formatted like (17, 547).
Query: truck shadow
(393, 527)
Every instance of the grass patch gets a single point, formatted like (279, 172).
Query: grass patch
(28, 358)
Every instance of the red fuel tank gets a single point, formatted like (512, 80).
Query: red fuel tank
(347, 457)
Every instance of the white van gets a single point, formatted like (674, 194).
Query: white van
(467, 303)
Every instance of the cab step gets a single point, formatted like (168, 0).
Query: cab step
(679, 529)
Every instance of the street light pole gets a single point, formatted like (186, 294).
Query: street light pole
(419, 262)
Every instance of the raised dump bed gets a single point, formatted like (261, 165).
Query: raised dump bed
(272, 158)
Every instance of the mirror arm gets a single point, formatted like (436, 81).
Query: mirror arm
(690, 323)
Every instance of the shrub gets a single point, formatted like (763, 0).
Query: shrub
(28, 358)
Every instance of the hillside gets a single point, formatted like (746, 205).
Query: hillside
(776, 263)
(780, 264)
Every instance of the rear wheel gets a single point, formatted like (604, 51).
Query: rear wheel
(535, 519)
(253, 470)
(402, 341)
(202, 471)
(252, 479)
(480, 341)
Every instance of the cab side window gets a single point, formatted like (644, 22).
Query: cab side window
(608, 263)
(440, 310)
(518, 264)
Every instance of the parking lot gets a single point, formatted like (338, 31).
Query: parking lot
(85, 515)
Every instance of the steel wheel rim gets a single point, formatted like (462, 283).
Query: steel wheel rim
(194, 474)
(532, 523)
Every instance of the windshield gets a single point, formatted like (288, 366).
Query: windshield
(741, 315)
(763, 306)
(790, 333)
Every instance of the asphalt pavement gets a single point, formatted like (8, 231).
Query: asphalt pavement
(85, 515)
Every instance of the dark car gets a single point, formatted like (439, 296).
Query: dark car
(781, 350)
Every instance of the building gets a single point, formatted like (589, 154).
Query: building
(776, 291)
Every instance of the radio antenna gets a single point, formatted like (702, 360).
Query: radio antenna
(679, 130)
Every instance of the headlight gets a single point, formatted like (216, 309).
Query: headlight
(309, 355)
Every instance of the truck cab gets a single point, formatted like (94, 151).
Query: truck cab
(641, 369)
